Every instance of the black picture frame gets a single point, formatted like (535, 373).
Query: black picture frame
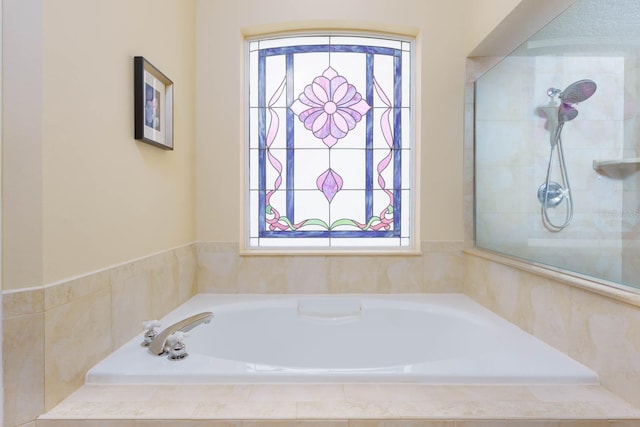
(153, 105)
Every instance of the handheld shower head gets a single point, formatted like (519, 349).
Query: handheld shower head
(578, 91)
(566, 113)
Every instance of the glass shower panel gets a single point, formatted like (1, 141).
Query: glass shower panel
(557, 147)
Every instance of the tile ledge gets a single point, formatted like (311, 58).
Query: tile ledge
(601, 287)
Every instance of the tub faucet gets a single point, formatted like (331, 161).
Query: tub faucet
(159, 343)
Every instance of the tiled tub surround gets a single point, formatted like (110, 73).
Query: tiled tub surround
(60, 330)
(439, 268)
(595, 325)
(54, 334)
(346, 405)
(356, 338)
(213, 267)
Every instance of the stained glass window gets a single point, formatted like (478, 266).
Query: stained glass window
(330, 142)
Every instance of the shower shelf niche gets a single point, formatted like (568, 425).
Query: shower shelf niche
(605, 165)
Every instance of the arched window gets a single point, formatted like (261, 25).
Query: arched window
(330, 133)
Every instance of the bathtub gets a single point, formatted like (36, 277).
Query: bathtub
(431, 338)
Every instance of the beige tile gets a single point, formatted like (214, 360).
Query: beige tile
(244, 410)
(86, 423)
(66, 292)
(217, 267)
(402, 423)
(20, 303)
(574, 393)
(261, 274)
(605, 336)
(30, 424)
(203, 393)
(322, 423)
(399, 274)
(23, 367)
(507, 294)
(162, 270)
(476, 278)
(401, 392)
(103, 410)
(77, 335)
(506, 423)
(187, 270)
(548, 312)
(295, 392)
(298, 423)
(442, 272)
(583, 423)
(131, 302)
(187, 423)
(111, 393)
(346, 410)
(353, 274)
(307, 275)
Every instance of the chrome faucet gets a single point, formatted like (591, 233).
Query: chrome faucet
(159, 343)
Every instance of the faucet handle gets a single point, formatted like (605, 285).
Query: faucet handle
(151, 324)
(151, 333)
(175, 345)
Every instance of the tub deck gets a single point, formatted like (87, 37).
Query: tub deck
(342, 405)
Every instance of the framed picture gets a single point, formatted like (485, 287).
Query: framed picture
(153, 109)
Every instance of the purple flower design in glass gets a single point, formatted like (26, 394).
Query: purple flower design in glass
(329, 183)
(330, 107)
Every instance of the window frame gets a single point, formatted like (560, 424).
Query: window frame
(412, 204)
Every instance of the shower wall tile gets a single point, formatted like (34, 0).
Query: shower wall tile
(501, 94)
(23, 368)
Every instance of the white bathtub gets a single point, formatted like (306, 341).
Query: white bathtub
(440, 339)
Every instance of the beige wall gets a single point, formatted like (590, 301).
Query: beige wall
(80, 193)
(441, 49)
(483, 16)
(22, 142)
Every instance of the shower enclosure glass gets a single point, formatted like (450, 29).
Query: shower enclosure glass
(557, 145)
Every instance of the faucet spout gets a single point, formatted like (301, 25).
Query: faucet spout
(158, 344)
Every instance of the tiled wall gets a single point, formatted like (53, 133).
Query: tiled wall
(53, 335)
(222, 270)
(512, 153)
(596, 330)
